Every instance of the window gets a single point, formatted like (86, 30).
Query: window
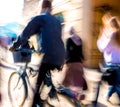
(60, 17)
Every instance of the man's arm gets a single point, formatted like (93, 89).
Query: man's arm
(32, 28)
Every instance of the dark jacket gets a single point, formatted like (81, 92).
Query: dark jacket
(50, 41)
(74, 52)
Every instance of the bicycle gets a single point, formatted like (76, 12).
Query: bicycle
(19, 80)
(20, 85)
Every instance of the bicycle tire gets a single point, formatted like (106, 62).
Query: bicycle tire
(17, 89)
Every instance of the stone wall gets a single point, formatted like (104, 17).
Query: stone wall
(85, 16)
(30, 9)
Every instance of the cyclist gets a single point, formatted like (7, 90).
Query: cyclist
(51, 45)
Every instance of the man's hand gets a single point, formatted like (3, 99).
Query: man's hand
(12, 48)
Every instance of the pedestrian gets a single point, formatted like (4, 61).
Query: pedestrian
(49, 31)
(73, 68)
(109, 44)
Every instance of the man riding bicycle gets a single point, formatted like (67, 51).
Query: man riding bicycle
(51, 45)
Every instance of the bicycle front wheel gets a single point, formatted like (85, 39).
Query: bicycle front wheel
(17, 90)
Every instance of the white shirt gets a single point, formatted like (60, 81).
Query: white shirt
(108, 47)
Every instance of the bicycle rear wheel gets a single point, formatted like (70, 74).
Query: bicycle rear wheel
(17, 89)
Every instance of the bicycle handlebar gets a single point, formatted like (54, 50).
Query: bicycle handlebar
(26, 50)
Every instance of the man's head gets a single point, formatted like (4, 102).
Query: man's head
(46, 5)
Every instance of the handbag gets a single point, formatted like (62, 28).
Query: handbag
(109, 76)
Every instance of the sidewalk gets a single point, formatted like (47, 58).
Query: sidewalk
(92, 77)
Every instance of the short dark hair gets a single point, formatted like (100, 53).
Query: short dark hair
(46, 3)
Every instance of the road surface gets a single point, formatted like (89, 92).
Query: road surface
(92, 77)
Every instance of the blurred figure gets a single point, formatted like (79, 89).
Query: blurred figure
(0, 98)
(7, 36)
(74, 79)
(109, 44)
(49, 32)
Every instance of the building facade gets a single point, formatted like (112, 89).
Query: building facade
(85, 16)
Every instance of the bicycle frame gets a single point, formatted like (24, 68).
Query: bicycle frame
(23, 74)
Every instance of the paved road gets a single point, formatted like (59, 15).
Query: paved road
(92, 78)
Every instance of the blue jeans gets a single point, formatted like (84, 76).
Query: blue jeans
(112, 89)
(115, 87)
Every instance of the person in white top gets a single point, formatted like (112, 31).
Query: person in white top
(109, 44)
